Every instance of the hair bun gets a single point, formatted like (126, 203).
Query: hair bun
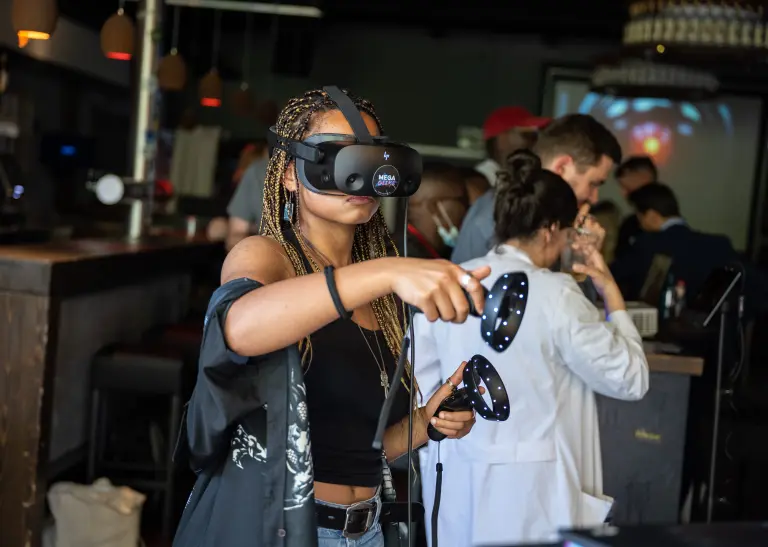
(520, 166)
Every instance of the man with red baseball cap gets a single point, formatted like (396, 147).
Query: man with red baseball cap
(505, 130)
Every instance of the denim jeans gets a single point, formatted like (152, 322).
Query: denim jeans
(334, 538)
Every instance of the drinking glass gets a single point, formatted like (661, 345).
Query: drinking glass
(579, 244)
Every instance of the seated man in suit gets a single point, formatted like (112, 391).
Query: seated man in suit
(694, 254)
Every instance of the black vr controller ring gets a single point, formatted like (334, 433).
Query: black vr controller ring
(504, 309)
(480, 370)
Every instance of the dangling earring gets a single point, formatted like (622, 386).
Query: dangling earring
(288, 209)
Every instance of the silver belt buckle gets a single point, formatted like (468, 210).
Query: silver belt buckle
(371, 508)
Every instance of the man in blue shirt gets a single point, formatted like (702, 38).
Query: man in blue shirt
(578, 148)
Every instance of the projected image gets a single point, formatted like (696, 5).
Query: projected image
(706, 151)
(652, 127)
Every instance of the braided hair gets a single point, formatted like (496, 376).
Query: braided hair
(372, 240)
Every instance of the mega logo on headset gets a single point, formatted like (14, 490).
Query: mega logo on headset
(357, 165)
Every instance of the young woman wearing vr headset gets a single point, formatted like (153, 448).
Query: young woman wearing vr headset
(518, 481)
(322, 279)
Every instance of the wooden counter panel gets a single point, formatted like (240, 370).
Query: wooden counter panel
(675, 364)
(25, 398)
(85, 266)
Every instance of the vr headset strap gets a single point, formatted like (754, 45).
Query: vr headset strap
(351, 113)
(296, 149)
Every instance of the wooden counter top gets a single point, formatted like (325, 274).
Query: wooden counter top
(86, 265)
(675, 364)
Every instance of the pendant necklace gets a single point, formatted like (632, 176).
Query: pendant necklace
(383, 376)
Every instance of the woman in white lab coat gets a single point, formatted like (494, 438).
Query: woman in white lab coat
(521, 480)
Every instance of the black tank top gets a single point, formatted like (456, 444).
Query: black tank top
(344, 399)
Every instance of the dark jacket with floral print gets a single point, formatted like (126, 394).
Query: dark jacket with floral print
(242, 410)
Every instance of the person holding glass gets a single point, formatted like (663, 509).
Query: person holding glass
(521, 480)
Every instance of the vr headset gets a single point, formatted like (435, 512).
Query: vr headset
(359, 165)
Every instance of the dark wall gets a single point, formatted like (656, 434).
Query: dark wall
(423, 86)
(64, 101)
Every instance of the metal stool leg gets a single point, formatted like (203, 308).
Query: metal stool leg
(173, 427)
(94, 442)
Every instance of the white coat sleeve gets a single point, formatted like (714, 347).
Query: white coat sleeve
(607, 355)
(427, 359)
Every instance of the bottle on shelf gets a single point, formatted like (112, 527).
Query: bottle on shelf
(667, 304)
(679, 297)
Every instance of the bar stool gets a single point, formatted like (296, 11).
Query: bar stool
(140, 372)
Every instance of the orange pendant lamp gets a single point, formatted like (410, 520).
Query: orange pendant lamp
(34, 19)
(210, 89)
(172, 70)
(211, 85)
(117, 37)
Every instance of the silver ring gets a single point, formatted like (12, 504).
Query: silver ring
(465, 279)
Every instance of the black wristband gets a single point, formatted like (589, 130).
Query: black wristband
(330, 280)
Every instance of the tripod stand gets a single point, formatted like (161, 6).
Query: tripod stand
(723, 306)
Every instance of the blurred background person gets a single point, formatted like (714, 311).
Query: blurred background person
(634, 173)
(505, 130)
(244, 208)
(436, 211)
(578, 148)
(608, 215)
(664, 232)
(476, 183)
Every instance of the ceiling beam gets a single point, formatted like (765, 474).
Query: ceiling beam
(251, 7)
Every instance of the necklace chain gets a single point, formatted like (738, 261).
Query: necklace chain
(381, 365)
(307, 246)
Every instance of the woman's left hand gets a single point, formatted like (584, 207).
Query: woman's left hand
(452, 424)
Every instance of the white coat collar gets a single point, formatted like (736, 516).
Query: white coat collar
(511, 249)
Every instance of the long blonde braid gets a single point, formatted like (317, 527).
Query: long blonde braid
(372, 239)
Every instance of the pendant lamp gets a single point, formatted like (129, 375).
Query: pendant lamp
(117, 36)
(210, 85)
(172, 70)
(210, 89)
(3, 73)
(34, 19)
(242, 101)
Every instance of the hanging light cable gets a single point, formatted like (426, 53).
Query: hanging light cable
(242, 100)
(172, 70)
(210, 85)
(118, 35)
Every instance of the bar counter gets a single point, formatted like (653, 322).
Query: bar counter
(60, 303)
(643, 443)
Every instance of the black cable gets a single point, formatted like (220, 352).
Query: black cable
(438, 492)
(410, 388)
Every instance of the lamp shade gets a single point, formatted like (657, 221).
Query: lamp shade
(242, 101)
(117, 37)
(172, 72)
(267, 112)
(34, 19)
(210, 89)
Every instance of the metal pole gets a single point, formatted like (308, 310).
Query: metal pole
(145, 109)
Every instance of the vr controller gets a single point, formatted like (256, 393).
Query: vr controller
(503, 311)
(359, 165)
(478, 370)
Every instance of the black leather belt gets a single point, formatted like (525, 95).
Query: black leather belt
(354, 521)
